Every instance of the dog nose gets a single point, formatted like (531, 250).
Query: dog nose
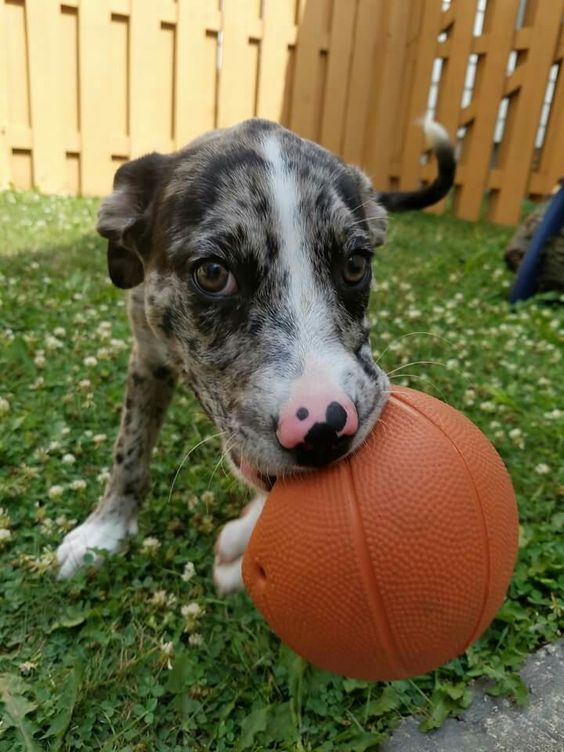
(318, 429)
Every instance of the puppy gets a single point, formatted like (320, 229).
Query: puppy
(248, 257)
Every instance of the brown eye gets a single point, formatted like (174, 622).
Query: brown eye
(213, 278)
(355, 268)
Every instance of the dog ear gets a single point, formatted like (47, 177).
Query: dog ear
(125, 218)
(371, 211)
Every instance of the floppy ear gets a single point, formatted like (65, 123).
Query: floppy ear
(125, 218)
(373, 213)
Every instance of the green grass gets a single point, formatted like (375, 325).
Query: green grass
(108, 661)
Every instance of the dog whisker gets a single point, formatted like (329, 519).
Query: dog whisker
(187, 455)
(413, 334)
(422, 377)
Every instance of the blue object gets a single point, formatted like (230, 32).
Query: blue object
(552, 222)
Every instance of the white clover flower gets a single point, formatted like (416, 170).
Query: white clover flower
(452, 364)
(469, 397)
(65, 430)
(191, 610)
(166, 648)
(5, 535)
(516, 436)
(150, 544)
(103, 353)
(159, 598)
(52, 343)
(90, 361)
(55, 491)
(189, 571)
(68, 459)
(555, 414)
(4, 405)
(99, 438)
(84, 384)
(542, 468)
(413, 314)
(488, 407)
(27, 667)
(103, 477)
(40, 360)
(118, 344)
(60, 331)
(78, 485)
(208, 497)
(196, 639)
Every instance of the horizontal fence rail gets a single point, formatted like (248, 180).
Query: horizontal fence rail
(88, 84)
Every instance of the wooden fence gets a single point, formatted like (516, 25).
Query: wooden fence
(88, 84)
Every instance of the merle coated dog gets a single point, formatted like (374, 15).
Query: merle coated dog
(248, 256)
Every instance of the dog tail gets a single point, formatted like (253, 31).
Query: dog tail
(436, 138)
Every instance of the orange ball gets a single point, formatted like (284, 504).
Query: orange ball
(394, 560)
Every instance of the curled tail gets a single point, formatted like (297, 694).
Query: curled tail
(437, 140)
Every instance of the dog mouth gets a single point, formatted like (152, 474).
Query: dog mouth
(264, 481)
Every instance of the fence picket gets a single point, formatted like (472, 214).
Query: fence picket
(278, 32)
(522, 123)
(238, 77)
(341, 42)
(5, 149)
(499, 26)
(197, 30)
(49, 168)
(94, 65)
(454, 71)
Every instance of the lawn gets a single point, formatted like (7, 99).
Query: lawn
(142, 656)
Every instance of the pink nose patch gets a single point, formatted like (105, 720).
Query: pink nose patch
(303, 411)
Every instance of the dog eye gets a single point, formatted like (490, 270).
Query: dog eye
(355, 268)
(213, 278)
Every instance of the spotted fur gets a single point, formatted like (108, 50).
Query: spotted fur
(283, 215)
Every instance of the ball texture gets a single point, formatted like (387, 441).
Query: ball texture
(394, 560)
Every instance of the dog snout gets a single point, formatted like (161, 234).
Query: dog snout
(318, 429)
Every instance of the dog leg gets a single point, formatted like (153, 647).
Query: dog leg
(150, 386)
(230, 547)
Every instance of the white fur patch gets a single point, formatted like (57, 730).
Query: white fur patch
(435, 133)
(95, 533)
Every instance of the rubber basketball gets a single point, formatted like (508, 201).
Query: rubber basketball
(393, 561)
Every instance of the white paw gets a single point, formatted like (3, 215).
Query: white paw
(96, 532)
(230, 547)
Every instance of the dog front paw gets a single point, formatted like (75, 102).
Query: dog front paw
(230, 547)
(96, 533)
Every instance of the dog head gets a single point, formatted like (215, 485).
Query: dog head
(255, 247)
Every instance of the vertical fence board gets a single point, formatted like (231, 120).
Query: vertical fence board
(42, 25)
(196, 69)
(341, 43)
(360, 83)
(454, 71)
(238, 78)
(418, 93)
(488, 91)
(5, 168)
(551, 166)
(307, 68)
(95, 72)
(278, 32)
(387, 84)
(516, 153)
(146, 79)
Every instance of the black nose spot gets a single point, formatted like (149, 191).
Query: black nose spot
(302, 413)
(336, 416)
